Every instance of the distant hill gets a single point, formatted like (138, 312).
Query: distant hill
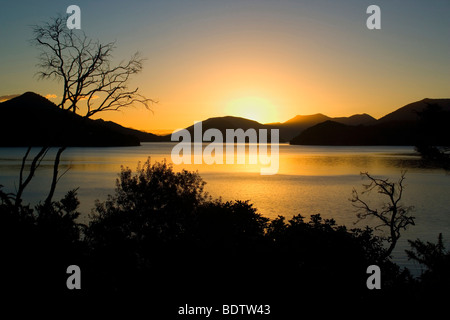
(227, 122)
(336, 134)
(32, 120)
(400, 127)
(141, 135)
(296, 125)
(356, 120)
(299, 123)
(287, 130)
(408, 113)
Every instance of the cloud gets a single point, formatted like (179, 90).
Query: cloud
(8, 97)
(54, 96)
(86, 97)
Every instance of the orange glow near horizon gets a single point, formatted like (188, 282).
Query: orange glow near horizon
(263, 60)
(253, 108)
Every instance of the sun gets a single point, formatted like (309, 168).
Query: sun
(254, 108)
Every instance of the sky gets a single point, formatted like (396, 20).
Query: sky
(264, 60)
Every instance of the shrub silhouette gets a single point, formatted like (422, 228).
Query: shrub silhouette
(435, 279)
(162, 222)
(161, 238)
(155, 203)
(38, 244)
(139, 226)
(433, 142)
(161, 230)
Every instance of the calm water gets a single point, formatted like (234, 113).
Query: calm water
(311, 180)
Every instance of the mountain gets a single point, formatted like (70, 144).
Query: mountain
(408, 113)
(229, 122)
(141, 135)
(302, 120)
(299, 123)
(296, 125)
(287, 130)
(337, 134)
(356, 120)
(324, 133)
(401, 127)
(32, 120)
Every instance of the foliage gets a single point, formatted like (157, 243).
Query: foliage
(155, 203)
(39, 243)
(85, 68)
(161, 229)
(433, 143)
(436, 259)
(161, 234)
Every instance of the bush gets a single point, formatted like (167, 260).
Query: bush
(38, 244)
(161, 230)
(160, 236)
(435, 279)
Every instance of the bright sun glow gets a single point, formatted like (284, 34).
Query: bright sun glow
(254, 108)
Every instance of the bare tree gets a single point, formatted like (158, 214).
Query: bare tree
(23, 183)
(90, 82)
(392, 215)
(85, 68)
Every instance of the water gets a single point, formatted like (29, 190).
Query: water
(310, 180)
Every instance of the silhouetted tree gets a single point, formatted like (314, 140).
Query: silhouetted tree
(433, 140)
(433, 256)
(145, 223)
(328, 262)
(435, 279)
(84, 66)
(393, 215)
(161, 235)
(91, 83)
(38, 244)
(154, 200)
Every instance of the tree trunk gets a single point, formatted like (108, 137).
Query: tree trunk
(55, 179)
(34, 165)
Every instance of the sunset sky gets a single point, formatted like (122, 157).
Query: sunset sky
(264, 60)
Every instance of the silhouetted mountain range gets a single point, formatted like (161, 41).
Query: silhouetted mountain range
(409, 112)
(288, 129)
(228, 122)
(401, 127)
(32, 120)
(299, 123)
